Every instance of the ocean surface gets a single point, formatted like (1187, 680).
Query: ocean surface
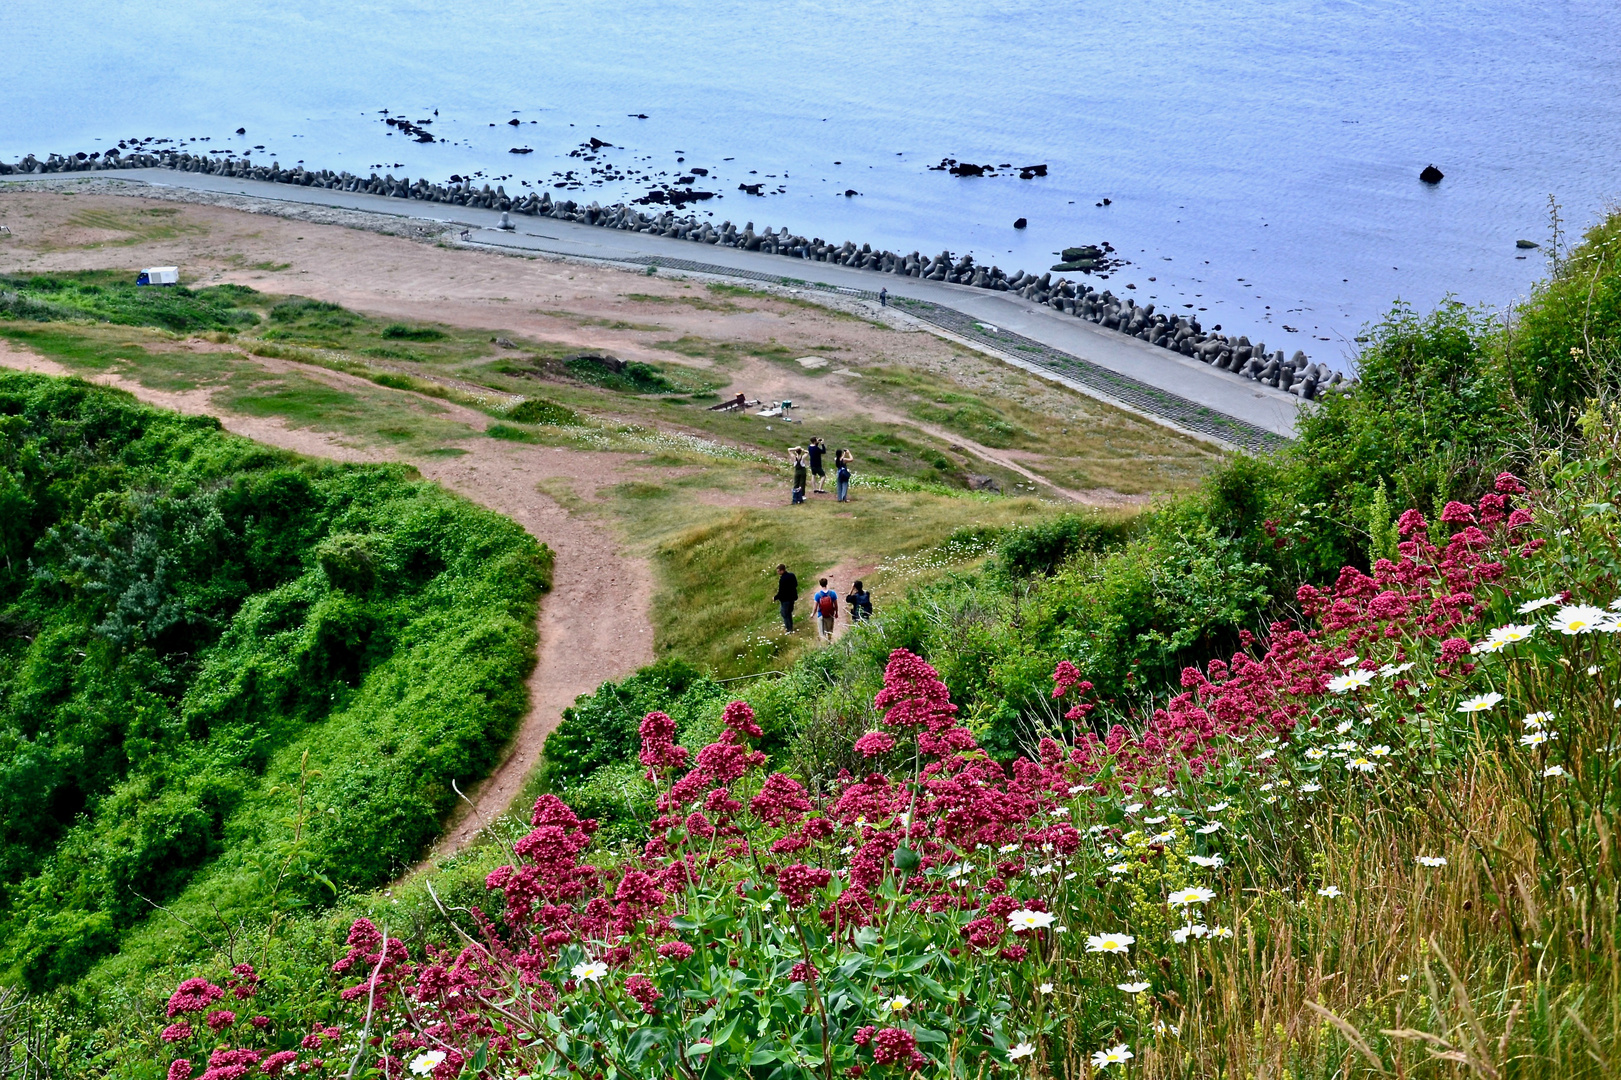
(1260, 157)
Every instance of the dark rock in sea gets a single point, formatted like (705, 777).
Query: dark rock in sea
(1019, 223)
(637, 115)
(1431, 175)
(752, 189)
(242, 131)
(514, 121)
(521, 150)
(1526, 245)
(848, 192)
(598, 144)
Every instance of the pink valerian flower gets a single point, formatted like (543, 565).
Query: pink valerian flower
(244, 983)
(738, 718)
(230, 1064)
(798, 882)
(659, 751)
(781, 801)
(220, 1019)
(1519, 518)
(863, 1035)
(642, 989)
(1411, 521)
(1457, 513)
(1508, 484)
(675, 950)
(804, 972)
(180, 1069)
(260, 1022)
(897, 1046)
(1453, 649)
(913, 695)
(874, 744)
(193, 996)
(176, 1032)
(275, 1063)
(1065, 675)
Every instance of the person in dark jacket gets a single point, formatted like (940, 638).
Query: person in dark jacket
(797, 454)
(858, 601)
(818, 468)
(787, 596)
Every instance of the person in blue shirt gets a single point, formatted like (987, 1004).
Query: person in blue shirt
(825, 606)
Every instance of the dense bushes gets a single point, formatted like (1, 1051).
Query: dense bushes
(115, 298)
(207, 648)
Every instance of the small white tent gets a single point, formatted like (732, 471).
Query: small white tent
(159, 275)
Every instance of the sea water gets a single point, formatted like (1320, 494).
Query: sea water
(1260, 158)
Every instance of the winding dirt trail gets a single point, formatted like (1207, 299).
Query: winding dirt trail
(594, 624)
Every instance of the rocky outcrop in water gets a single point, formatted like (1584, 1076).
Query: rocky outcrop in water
(1177, 333)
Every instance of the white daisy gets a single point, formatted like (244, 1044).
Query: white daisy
(1343, 726)
(1510, 633)
(1194, 930)
(1534, 738)
(1115, 1055)
(1316, 754)
(1134, 808)
(1539, 719)
(1330, 891)
(1354, 680)
(1209, 862)
(1574, 619)
(1537, 605)
(1046, 988)
(1153, 820)
(1218, 808)
(1025, 919)
(1192, 895)
(1553, 770)
(1361, 764)
(1022, 1050)
(1391, 670)
(1118, 868)
(589, 970)
(1109, 943)
(1208, 828)
(1162, 838)
(1008, 849)
(1379, 751)
(1307, 789)
(1221, 932)
(898, 1003)
(1133, 987)
(1431, 860)
(423, 1064)
(1479, 704)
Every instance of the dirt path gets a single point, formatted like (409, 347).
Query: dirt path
(595, 624)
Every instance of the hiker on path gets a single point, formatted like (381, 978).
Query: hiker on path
(818, 450)
(798, 455)
(883, 297)
(787, 596)
(841, 474)
(826, 606)
(859, 601)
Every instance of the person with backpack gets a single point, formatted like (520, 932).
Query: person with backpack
(798, 455)
(841, 477)
(859, 602)
(787, 596)
(826, 605)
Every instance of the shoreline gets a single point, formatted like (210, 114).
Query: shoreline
(1157, 383)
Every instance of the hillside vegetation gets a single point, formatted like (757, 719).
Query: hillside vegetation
(1309, 773)
(232, 682)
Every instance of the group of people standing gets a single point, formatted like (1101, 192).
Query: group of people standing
(810, 464)
(824, 603)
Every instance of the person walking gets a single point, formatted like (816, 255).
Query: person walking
(883, 296)
(859, 603)
(798, 455)
(841, 474)
(818, 468)
(826, 606)
(787, 596)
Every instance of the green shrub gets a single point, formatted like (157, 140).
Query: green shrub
(202, 624)
(115, 298)
(1029, 550)
(541, 411)
(403, 332)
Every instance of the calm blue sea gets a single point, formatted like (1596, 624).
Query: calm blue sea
(1260, 157)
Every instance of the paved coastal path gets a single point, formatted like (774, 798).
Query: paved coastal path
(594, 624)
(1151, 382)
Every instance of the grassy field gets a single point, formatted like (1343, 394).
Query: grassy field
(711, 509)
